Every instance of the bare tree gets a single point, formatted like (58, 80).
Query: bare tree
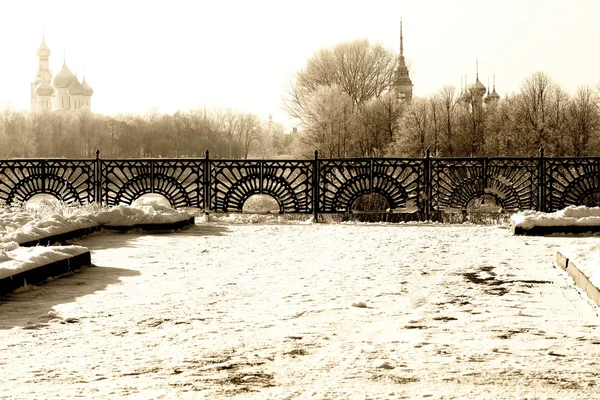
(359, 69)
(413, 137)
(584, 119)
(328, 122)
(448, 100)
(250, 130)
(435, 110)
(540, 113)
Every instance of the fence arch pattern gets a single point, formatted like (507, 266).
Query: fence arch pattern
(456, 182)
(342, 182)
(180, 181)
(71, 181)
(288, 182)
(571, 181)
(423, 185)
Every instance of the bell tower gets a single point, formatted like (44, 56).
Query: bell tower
(402, 84)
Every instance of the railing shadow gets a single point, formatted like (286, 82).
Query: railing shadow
(31, 309)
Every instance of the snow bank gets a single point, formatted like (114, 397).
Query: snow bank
(54, 224)
(140, 215)
(570, 216)
(585, 254)
(26, 225)
(15, 259)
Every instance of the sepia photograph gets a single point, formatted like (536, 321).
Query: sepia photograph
(317, 199)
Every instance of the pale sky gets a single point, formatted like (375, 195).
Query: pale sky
(178, 54)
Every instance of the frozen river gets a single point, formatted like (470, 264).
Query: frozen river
(270, 311)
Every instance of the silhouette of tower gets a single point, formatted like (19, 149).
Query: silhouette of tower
(478, 87)
(41, 91)
(402, 84)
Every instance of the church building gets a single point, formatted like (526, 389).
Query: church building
(63, 92)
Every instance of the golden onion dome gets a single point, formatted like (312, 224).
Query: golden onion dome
(76, 88)
(44, 88)
(479, 87)
(88, 90)
(64, 78)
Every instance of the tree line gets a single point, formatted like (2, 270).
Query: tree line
(225, 133)
(345, 102)
(346, 105)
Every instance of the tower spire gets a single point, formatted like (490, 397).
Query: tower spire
(402, 83)
(401, 40)
(477, 69)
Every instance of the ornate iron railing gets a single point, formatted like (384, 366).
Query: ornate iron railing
(424, 186)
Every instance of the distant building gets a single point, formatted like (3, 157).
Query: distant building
(492, 98)
(479, 92)
(63, 92)
(402, 83)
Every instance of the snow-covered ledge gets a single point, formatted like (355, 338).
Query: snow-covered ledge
(23, 266)
(573, 219)
(56, 224)
(582, 261)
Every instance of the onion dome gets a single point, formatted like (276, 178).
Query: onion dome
(43, 51)
(494, 95)
(76, 88)
(44, 88)
(88, 90)
(64, 78)
(479, 88)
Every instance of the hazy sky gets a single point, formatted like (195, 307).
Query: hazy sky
(177, 54)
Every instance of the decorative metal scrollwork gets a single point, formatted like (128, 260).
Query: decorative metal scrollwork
(456, 182)
(311, 186)
(344, 181)
(288, 182)
(71, 181)
(570, 181)
(179, 181)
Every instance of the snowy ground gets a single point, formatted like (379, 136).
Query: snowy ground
(264, 311)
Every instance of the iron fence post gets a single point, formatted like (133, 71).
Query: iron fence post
(206, 182)
(371, 176)
(260, 176)
(43, 176)
(541, 182)
(151, 176)
(315, 183)
(427, 184)
(485, 175)
(97, 179)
